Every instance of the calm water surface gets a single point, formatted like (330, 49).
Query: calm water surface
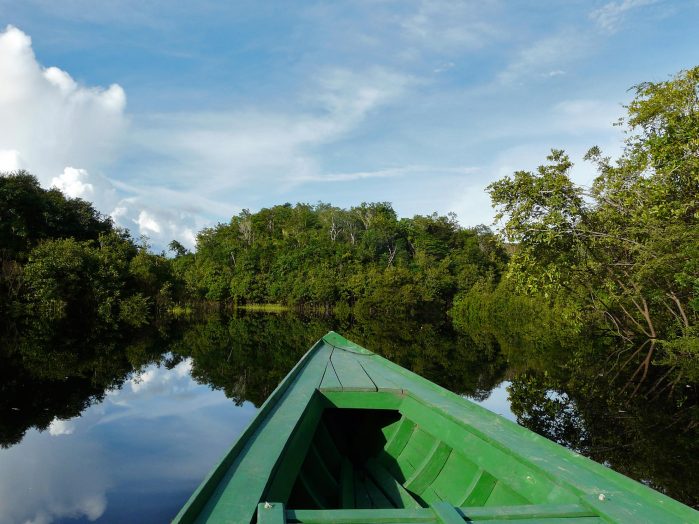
(103, 429)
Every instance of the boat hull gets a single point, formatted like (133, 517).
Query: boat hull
(349, 436)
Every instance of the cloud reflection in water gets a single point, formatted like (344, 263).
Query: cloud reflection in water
(134, 457)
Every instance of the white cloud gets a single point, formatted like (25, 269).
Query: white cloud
(61, 427)
(59, 481)
(147, 224)
(156, 380)
(388, 173)
(160, 225)
(66, 134)
(586, 115)
(10, 160)
(209, 154)
(451, 24)
(544, 57)
(49, 120)
(78, 183)
(610, 16)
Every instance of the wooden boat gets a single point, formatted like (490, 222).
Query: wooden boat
(350, 437)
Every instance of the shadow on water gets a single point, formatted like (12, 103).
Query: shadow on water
(56, 371)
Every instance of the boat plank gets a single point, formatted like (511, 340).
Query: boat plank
(328, 450)
(528, 514)
(330, 381)
(311, 489)
(295, 451)
(378, 376)
(400, 437)
(362, 500)
(350, 371)
(368, 516)
(429, 469)
(390, 486)
(480, 489)
(529, 511)
(378, 498)
(346, 484)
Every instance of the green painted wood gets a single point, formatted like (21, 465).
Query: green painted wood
(239, 503)
(479, 490)
(312, 489)
(446, 514)
(372, 516)
(362, 500)
(530, 512)
(545, 514)
(457, 474)
(554, 520)
(327, 449)
(271, 513)
(346, 484)
(430, 496)
(378, 498)
(295, 450)
(350, 371)
(378, 377)
(359, 399)
(567, 471)
(414, 453)
(339, 342)
(320, 469)
(395, 491)
(431, 466)
(330, 381)
(397, 442)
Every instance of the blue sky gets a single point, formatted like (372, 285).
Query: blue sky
(172, 116)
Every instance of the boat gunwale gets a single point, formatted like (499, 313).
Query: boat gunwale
(199, 498)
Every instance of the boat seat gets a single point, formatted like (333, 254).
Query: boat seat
(440, 513)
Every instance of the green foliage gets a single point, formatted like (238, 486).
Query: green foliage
(29, 214)
(59, 257)
(134, 310)
(319, 256)
(626, 250)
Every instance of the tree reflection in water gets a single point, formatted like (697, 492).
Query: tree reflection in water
(50, 372)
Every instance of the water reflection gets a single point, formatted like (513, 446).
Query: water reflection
(121, 427)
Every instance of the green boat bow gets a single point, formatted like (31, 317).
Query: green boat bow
(350, 437)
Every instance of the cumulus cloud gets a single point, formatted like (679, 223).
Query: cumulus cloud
(67, 134)
(156, 380)
(159, 225)
(610, 16)
(61, 427)
(49, 120)
(78, 183)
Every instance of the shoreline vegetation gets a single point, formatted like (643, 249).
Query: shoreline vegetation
(610, 270)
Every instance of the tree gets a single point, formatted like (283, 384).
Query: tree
(627, 250)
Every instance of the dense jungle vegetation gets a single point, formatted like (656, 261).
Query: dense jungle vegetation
(618, 260)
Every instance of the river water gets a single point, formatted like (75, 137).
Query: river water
(103, 427)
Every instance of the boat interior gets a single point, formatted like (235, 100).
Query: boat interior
(386, 458)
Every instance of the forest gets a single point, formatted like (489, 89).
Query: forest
(618, 259)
